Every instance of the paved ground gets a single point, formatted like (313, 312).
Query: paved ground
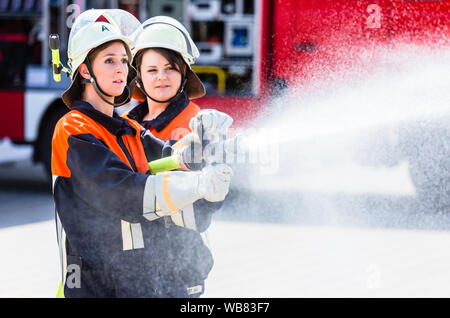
(262, 260)
(320, 245)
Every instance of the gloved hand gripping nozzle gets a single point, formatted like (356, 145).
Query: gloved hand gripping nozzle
(207, 144)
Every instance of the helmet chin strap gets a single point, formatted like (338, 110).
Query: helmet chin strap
(180, 90)
(99, 91)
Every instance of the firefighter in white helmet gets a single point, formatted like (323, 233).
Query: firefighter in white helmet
(170, 35)
(90, 31)
(163, 54)
(109, 209)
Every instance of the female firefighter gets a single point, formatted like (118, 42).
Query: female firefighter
(112, 237)
(166, 84)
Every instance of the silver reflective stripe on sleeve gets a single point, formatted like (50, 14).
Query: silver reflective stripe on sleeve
(61, 237)
(185, 218)
(151, 216)
(149, 195)
(149, 200)
(156, 214)
(61, 234)
(132, 237)
(53, 182)
(189, 217)
(205, 239)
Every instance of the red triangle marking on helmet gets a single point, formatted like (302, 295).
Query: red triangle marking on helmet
(101, 19)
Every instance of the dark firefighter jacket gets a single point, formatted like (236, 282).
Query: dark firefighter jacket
(107, 245)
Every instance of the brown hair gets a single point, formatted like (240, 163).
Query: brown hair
(175, 59)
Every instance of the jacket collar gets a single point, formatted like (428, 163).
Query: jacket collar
(116, 125)
(163, 119)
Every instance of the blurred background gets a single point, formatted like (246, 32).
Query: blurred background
(344, 190)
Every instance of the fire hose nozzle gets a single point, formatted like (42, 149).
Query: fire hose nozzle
(194, 156)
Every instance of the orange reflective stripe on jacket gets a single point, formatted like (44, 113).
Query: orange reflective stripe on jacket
(77, 123)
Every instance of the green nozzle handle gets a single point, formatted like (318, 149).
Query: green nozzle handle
(164, 164)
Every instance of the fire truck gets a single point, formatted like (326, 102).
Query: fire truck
(250, 50)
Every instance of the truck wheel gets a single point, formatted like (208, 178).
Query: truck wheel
(44, 144)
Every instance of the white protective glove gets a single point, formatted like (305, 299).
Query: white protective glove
(215, 125)
(174, 190)
(208, 125)
(214, 182)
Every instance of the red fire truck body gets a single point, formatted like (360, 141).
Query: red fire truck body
(300, 41)
(253, 49)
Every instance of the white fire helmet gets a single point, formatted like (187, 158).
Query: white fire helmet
(166, 32)
(91, 29)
